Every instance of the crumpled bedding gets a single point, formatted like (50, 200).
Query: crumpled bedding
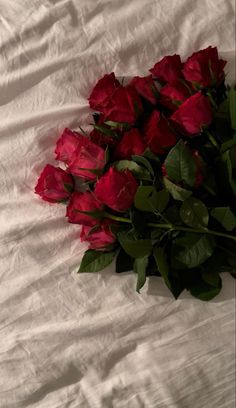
(89, 340)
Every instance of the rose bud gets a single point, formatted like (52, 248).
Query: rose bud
(116, 189)
(171, 96)
(124, 106)
(204, 68)
(88, 160)
(54, 184)
(80, 203)
(66, 145)
(99, 238)
(130, 144)
(103, 91)
(193, 115)
(169, 69)
(157, 133)
(145, 86)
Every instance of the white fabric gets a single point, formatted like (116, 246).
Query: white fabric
(81, 341)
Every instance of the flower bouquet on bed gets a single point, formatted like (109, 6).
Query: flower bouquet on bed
(153, 184)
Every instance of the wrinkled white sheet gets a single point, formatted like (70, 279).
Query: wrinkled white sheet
(90, 341)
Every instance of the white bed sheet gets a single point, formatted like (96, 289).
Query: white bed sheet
(81, 341)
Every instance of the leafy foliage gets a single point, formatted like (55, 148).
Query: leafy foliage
(94, 261)
(179, 214)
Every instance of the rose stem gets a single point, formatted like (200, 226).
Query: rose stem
(208, 189)
(212, 139)
(212, 100)
(227, 251)
(173, 228)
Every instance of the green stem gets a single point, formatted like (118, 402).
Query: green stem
(212, 139)
(162, 226)
(205, 231)
(227, 251)
(174, 228)
(212, 100)
(208, 189)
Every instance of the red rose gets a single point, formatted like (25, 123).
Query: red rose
(124, 105)
(169, 69)
(157, 133)
(173, 95)
(130, 144)
(103, 91)
(83, 202)
(194, 114)
(87, 160)
(145, 86)
(117, 189)
(99, 238)
(54, 184)
(66, 145)
(204, 68)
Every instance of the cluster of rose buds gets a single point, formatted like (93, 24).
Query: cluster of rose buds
(150, 112)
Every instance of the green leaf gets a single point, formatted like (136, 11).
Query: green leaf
(162, 198)
(232, 107)
(177, 192)
(225, 172)
(144, 162)
(194, 213)
(94, 261)
(227, 145)
(203, 291)
(137, 248)
(223, 108)
(225, 217)
(179, 164)
(124, 262)
(138, 171)
(107, 132)
(152, 156)
(117, 125)
(211, 277)
(63, 201)
(140, 265)
(163, 267)
(210, 183)
(162, 264)
(156, 234)
(226, 157)
(68, 187)
(216, 264)
(172, 214)
(97, 172)
(98, 215)
(148, 199)
(152, 267)
(233, 156)
(191, 250)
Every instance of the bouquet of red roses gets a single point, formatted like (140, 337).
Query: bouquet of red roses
(154, 182)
